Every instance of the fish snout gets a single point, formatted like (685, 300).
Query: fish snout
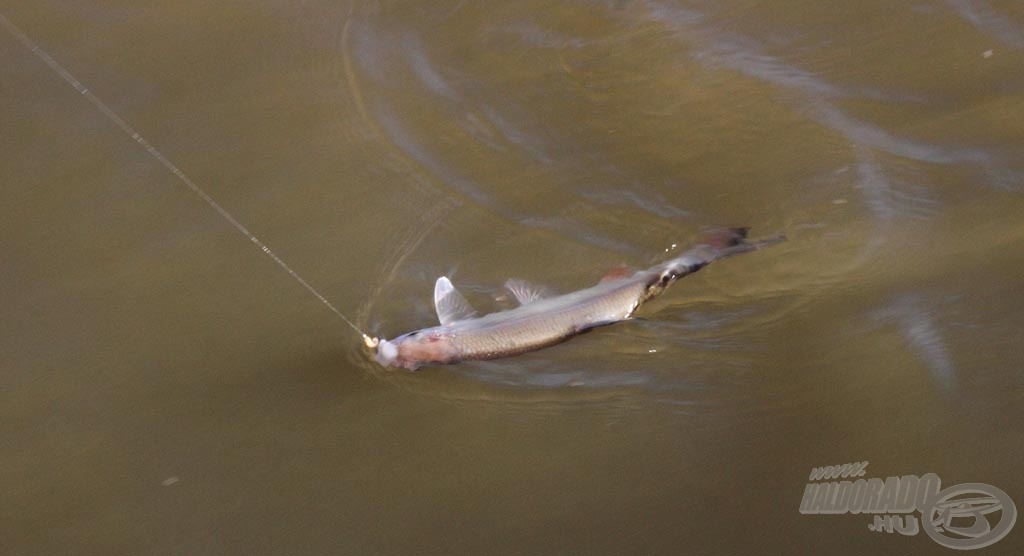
(387, 353)
(400, 352)
(415, 349)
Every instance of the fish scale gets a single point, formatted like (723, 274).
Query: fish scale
(542, 322)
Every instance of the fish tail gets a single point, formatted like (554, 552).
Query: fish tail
(723, 238)
(733, 241)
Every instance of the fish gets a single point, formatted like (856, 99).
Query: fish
(542, 319)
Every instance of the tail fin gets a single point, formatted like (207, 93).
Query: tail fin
(733, 241)
(722, 238)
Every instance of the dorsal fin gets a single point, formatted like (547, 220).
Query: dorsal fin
(449, 303)
(526, 292)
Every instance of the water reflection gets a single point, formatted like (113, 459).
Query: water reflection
(919, 324)
(989, 21)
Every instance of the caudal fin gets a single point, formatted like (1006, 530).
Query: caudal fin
(732, 241)
(722, 238)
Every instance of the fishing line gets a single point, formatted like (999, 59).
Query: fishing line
(128, 129)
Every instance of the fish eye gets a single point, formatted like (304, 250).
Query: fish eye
(666, 277)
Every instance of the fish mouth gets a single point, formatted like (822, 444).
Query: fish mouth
(386, 353)
(389, 354)
(414, 350)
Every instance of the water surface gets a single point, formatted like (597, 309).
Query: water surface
(165, 388)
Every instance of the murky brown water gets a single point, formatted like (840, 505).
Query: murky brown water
(166, 389)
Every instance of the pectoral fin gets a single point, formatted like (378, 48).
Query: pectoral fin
(526, 292)
(449, 303)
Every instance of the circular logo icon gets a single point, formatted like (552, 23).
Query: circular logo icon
(960, 516)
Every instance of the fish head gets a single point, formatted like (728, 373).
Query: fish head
(415, 349)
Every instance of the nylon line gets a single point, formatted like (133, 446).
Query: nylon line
(163, 160)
